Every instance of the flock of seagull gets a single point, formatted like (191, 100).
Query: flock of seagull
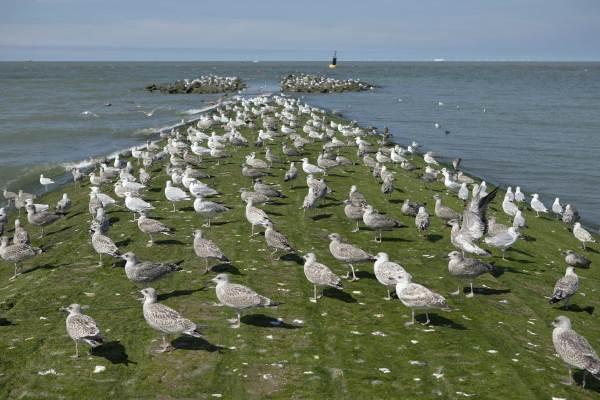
(321, 84)
(183, 154)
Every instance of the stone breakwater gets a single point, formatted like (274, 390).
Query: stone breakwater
(321, 84)
(202, 84)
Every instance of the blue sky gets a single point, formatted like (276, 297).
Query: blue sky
(299, 30)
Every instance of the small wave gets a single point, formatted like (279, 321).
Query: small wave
(144, 132)
(192, 111)
(82, 164)
(88, 113)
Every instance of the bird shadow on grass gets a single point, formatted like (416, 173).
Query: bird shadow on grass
(578, 309)
(433, 237)
(365, 275)
(591, 250)
(66, 228)
(486, 291)
(47, 266)
(168, 241)
(264, 321)
(395, 239)
(188, 208)
(155, 189)
(126, 242)
(339, 295)
(178, 293)
(219, 223)
(292, 257)
(5, 322)
(225, 268)
(591, 384)
(319, 217)
(114, 352)
(521, 252)
(337, 175)
(330, 204)
(193, 343)
(276, 203)
(438, 320)
(114, 220)
(74, 215)
(396, 201)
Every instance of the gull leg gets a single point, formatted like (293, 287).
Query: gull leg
(238, 321)
(100, 262)
(427, 316)
(354, 278)
(206, 266)
(151, 241)
(389, 296)
(470, 295)
(252, 233)
(457, 292)
(314, 298)
(42, 233)
(173, 207)
(413, 319)
(503, 252)
(567, 303)
(584, 376)
(357, 228)
(76, 350)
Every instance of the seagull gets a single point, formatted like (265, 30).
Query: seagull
(474, 215)
(255, 215)
(537, 205)
(276, 240)
(449, 182)
(462, 240)
(136, 205)
(418, 297)
(239, 297)
(519, 221)
(442, 211)
(311, 168)
(40, 219)
(429, 159)
(519, 196)
(565, 287)
(150, 226)
(463, 192)
(142, 272)
(557, 208)
(82, 328)
(45, 182)
(175, 194)
(63, 204)
(570, 215)
(503, 240)
(348, 253)
(105, 199)
(582, 234)
(207, 249)
(319, 275)
(379, 222)
(467, 268)
(17, 253)
(103, 245)
(20, 235)
(166, 320)
(576, 260)
(509, 194)
(574, 349)
(422, 220)
(387, 272)
(291, 173)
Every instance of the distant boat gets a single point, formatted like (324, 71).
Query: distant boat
(334, 60)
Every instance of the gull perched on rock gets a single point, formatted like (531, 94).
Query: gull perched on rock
(418, 297)
(319, 275)
(239, 297)
(576, 260)
(565, 287)
(142, 272)
(255, 215)
(467, 269)
(175, 194)
(103, 245)
(582, 234)
(387, 272)
(16, 253)
(347, 253)
(82, 328)
(537, 205)
(379, 222)
(166, 320)
(207, 249)
(503, 240)
(574, 349)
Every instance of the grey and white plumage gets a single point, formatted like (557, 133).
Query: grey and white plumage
(494, 227)
(463, 192)
(20, 235)
(474, 218)
(200, 189)
(276, 240)
(63, 204)
(565, 287)
(166, 320)
(537, 205)
(82, 328)
(44, 181)
(40, 219)
(150, 226)
(418, 297)
(582, 234)
(252, 172)
(348, 253)
(175, 194)
(319, 275)
(570, 214)
(268, 190)
(136, 204)
(239, 297)
(467, 269)
(94, 204)
(576, 260)
(207, 249)
(257, 198)
(462, 240)
(379, 222)
(519, 221)
(100, 222)
(422, 220)
(409, 208)
(557, 208)
(254, 162)
(255, 216)
(142, 272)
(353, 212)
(105, 199)
(519, 196)
(356, 197)
(442, 211)
(104, 245)
(291, 173)
(574, 349)
(387, 272)
(208, 209)
(311, 168)
(503, 240)
(17, 253)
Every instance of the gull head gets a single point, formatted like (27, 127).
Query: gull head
(382, 256)
(309, 257)
(148, 293)
(129, 256)
(454, 255)
(335, 237)
(267, 224)
(221, 278)
(561, 322)
(198, 234)
(73, 309)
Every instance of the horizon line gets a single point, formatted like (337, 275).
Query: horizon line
(257, 61)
